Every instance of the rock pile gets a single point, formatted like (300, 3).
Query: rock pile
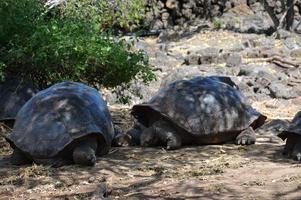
(184, 12)
(169, 13)
(264, 68)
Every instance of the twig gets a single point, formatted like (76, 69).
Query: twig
(283, 65)
(277, 60)
(288, 62)
(131, 194)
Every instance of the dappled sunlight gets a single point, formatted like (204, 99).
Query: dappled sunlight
(221, 68)
(57, 116)
(203, 110)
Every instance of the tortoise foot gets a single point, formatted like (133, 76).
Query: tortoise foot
(122, 140)
(246, 137)
(173, 141)
(292, 147)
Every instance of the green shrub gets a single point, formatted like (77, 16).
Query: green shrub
(57, 48)
(121, 14)
(18, 19)
(217, 24)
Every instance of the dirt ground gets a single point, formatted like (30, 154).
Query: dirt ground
(196, 172)
(205, 172)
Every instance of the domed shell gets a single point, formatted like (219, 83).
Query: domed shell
(56, 116)
(201, 106)
(294, 127)
(14, 93)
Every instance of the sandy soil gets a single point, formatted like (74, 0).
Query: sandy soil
(205, 172)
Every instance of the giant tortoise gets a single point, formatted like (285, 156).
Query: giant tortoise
(202, 110)
(14, 93)
(293, 138)
(66, 123)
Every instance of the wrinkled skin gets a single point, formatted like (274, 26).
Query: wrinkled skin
(162, 133)
(246, 137)
(66, 123)
(122, 140)
(130, 138)
(84, 152)
(292, 136)
(293, 147)
(199, 111)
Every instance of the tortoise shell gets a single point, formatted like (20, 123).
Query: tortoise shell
(56, 116)
(200, 106)
(14, 93)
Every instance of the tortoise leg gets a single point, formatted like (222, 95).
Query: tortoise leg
(289, 146)
(134, 133)
(246, 137)
(297, 149)
(84, 152)
(19, 158)
(173, 141)
(148, 138)
(168, 135)
(131, 137)
(160, 133)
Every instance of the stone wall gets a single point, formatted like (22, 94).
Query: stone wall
(169, 13)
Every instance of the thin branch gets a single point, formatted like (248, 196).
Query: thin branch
(282, 62)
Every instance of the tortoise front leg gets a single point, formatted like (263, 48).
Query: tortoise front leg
(168, 134)
(85, 152)
(19, 158)
(297, 149)
(161, 133)
(173, 141)
(289, 146)
(246, 137)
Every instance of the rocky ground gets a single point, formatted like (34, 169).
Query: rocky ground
(268, 72)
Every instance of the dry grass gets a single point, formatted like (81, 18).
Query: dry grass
(4, 146)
